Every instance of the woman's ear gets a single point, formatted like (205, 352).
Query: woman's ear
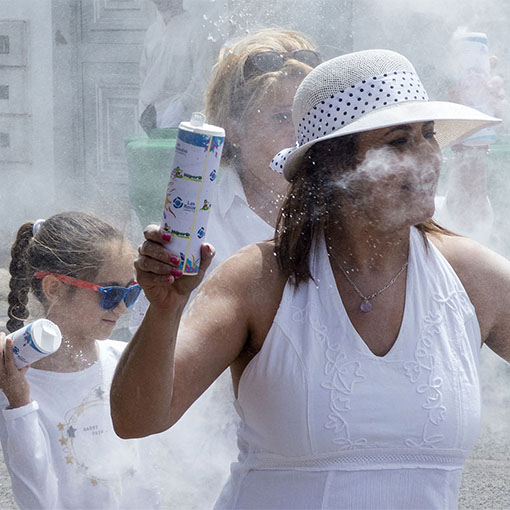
(52, 288)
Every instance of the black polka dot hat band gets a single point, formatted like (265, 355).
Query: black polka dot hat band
(369, 90)
(348, 105)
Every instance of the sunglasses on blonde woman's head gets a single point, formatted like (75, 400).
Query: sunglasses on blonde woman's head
(270, 61)
(110, 296)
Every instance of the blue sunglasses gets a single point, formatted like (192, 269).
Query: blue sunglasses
(110, 296)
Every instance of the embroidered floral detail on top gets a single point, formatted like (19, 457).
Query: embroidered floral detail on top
(458, 301)
(421, 367)
(343, 375)
(421, 371)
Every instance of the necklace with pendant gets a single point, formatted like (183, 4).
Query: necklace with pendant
(366, 305)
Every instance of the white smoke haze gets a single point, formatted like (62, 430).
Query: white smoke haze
(400, 186)
(384, 163)
(72, 77)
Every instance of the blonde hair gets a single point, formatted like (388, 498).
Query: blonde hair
(230, 96)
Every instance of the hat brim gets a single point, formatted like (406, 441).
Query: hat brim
(453, 123)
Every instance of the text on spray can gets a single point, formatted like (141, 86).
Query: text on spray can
(189, 194)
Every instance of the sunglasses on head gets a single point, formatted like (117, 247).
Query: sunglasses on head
(110, 296)
(270, 61)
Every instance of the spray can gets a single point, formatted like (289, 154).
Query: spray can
(471, 51)
(35, 341)
(189, 194)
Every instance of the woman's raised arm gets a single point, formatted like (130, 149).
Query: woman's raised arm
(170, 362)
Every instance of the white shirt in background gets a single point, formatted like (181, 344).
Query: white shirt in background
(233, 224)
(175, 67)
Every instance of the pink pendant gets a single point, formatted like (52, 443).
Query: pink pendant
(366, 306)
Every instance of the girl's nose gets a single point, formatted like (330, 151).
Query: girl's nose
(121, 308)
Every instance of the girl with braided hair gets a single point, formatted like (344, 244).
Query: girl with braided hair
(55, 426)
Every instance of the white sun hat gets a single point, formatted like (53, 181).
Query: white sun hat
(369, 90)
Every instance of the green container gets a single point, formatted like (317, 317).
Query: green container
(149, 164)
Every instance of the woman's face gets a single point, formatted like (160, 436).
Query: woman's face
(79, 314)
(395, 182)
(266, 130)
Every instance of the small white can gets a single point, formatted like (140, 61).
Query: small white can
(189, 194)
(35, 341)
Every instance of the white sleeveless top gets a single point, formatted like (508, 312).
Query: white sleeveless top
(328, 424)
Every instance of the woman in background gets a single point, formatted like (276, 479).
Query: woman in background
(250, 96)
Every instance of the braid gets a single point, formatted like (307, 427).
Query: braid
(71, 243)
(20, 279)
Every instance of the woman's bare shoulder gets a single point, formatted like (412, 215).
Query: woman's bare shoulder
(252, 263)
(468, 256)
(251, 283)
(250, 277)
(484, 274)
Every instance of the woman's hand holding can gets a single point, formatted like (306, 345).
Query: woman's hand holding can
(157, 270)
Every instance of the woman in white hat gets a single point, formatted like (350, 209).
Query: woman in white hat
(353, 337)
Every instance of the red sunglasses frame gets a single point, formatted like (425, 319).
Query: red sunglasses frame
(70, 280)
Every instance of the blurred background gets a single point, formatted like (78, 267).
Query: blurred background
(69, 125)
(69, 80)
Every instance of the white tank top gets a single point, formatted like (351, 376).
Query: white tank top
(328, 424)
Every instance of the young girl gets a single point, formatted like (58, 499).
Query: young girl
(55, 426)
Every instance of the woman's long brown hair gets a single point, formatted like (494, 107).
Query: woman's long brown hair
(304, 215)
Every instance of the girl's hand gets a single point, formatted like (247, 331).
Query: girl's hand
(157, 273)
(12, 381)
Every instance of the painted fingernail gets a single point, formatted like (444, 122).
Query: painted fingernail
(176, 272)
(175, 260)
(166, 237)
(169, 279)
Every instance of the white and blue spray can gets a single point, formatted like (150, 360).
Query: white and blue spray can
(35, 341)
(189, 195)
